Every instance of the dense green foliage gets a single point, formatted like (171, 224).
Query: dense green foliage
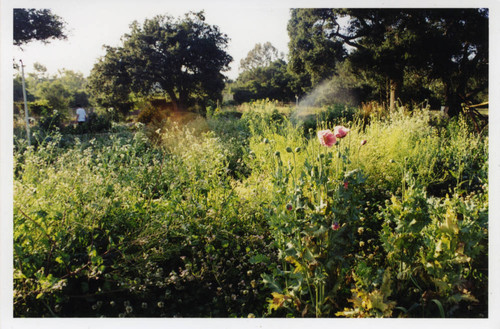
(261, 55)
(37, 25)
(398, 50)
(272, 81)
(182, 59)
(264, 74)
(253, 217)
(48, 93)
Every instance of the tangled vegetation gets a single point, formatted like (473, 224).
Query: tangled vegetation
(253, 217)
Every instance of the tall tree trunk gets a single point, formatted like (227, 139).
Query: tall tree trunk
(173, 99)
(452, 100)
(183, 100)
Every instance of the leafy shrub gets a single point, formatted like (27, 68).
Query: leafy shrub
(432, 248)
(40, 107)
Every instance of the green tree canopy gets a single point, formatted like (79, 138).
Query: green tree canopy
(59, 92)
(181, 58)
(109, 82)
(264, 75)
(313, 53)
(272, 81)
(37, 24)
(261, 55)
(392, 45)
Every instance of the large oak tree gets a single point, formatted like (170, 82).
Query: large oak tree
(180, 58)
(448, 45)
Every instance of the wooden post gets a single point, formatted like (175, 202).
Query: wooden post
(392, 100)
(25, 105)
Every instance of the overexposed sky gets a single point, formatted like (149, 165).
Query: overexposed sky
(92, 24)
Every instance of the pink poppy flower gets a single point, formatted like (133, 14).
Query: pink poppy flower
(340, 131)
(335, 226)
(327, 138)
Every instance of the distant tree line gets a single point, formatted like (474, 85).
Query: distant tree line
(387, 55)
(51, 95)
(45, 94)
(438, 55)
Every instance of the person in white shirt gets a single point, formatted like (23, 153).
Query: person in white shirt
(81, 115)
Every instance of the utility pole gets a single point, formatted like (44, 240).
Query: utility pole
(26, 117)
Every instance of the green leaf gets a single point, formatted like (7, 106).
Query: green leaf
(440, 306)
(267, 280)
(258, 259)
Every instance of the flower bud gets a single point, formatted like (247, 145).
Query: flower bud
(363, 142)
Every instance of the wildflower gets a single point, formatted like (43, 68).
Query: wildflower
(327, 138)
(289, 207)
(340, 131)
(278, 300)
(335, 226)
(346, 185)
(363, 142)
